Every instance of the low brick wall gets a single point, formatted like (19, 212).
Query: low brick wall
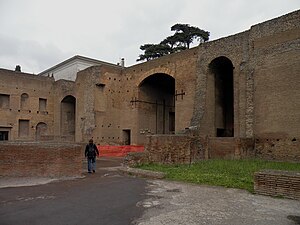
(187, 148)
(279, 149)
(168, 149)
(230, 148)
(133, 159)
(40, 159)
(190, 147)
(277, 183)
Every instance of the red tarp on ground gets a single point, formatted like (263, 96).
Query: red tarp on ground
(118, 151)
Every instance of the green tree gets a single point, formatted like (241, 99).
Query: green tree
(152, 51)
(186, 34)
(181, 40)
(18, 68)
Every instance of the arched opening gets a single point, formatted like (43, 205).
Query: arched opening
(24, 101)
(222, 69)
(41, 130)
(68, 106)
(156, 104)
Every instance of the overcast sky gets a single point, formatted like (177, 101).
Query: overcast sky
(38, 34)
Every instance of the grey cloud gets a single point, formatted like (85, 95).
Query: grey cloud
(31, 55)
(39, 34)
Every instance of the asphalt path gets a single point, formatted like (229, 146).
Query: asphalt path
(109, 198)
(101, 198)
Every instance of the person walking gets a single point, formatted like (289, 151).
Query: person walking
(91, 152)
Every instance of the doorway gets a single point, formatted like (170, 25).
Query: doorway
(41, 130)
(68, 106)
(126, 137)
(222, 69)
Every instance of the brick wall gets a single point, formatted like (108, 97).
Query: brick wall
(15, 85)
(282, 149)
(230, 148)
(171, 149)
(40, 159)
(275, 64)
(189, 147)
(277, 183)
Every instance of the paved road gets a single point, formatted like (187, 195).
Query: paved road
(102, 198)
(106, 198)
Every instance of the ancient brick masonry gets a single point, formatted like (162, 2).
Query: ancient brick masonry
(282, 149)
(277, 183)
(190, 147)
(40, 159)
(258, 117)
(169, 149)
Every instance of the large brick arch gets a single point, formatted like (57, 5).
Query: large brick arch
(164, 70)
(156, 104)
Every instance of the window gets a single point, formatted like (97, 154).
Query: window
(4, 101)
(3, 135)
(24, 101)
(42, 104)
(23, 128)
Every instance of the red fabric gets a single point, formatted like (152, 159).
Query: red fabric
(117, 151)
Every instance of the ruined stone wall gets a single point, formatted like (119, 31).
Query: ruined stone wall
(169, 149)
(275, 69)
(182, 67)
(43, 105)
(62, 89)
(190, 147)
(85, 118)
(262, 58)
(278, 149)
(235, 49)
(266, 81)
(230, 148)
(105, 111)
(40, 159)
(100, 104)
(14, 84)
(274, 61)
(266, 85)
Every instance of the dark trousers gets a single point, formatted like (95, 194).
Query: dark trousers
(91, 164)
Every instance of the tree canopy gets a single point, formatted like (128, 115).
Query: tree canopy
(182, 38)
(18, 68)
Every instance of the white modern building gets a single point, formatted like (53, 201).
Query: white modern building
(68, 69)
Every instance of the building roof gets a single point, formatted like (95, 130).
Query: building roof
(79, 57)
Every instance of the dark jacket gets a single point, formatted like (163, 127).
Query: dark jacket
(91, 151)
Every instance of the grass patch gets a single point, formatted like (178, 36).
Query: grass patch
(227, 173)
